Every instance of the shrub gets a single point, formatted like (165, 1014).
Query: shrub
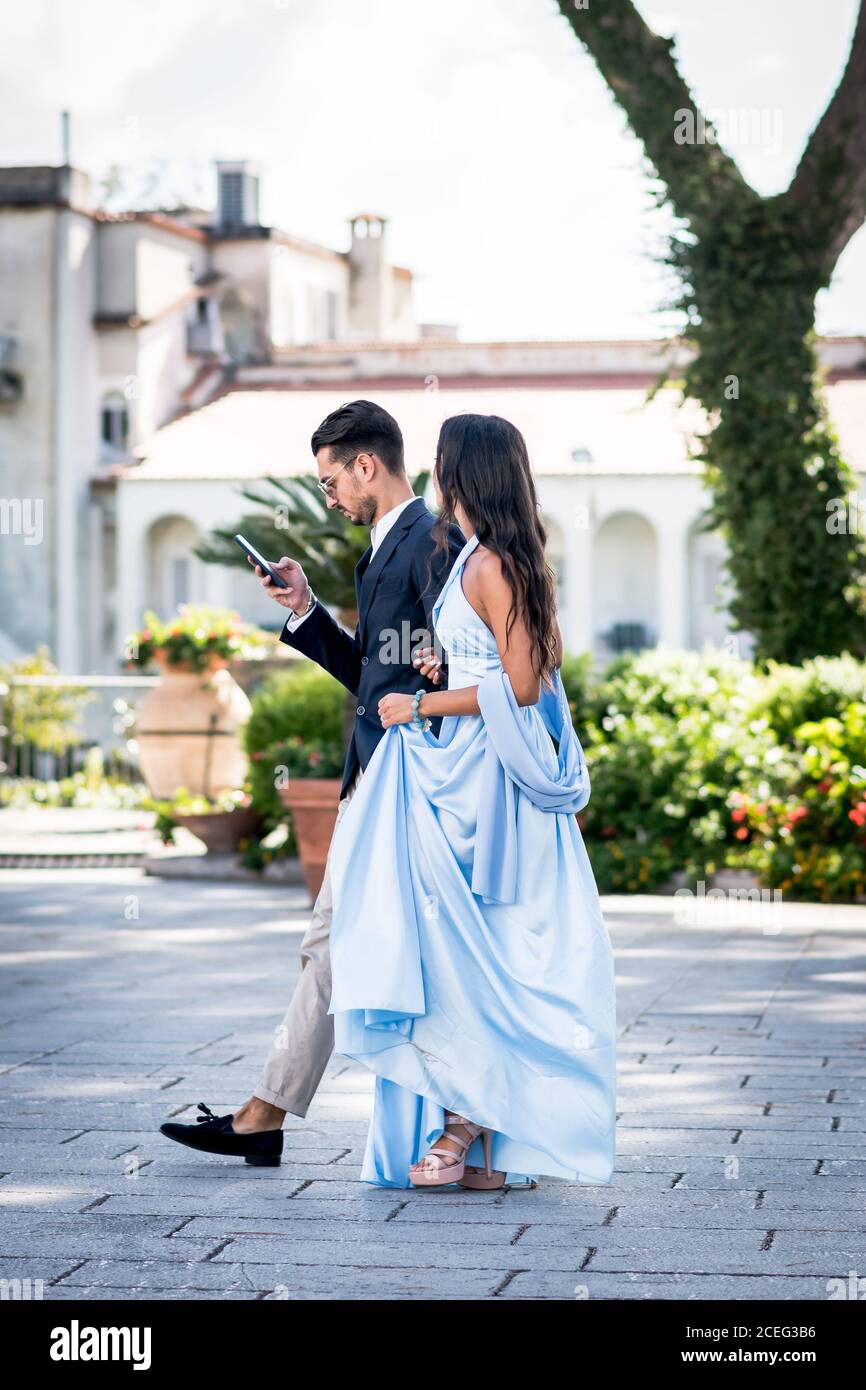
(46, 716)
(789, 696)
(669, 739)
(577, 681)
(305, 703)
(807, 834)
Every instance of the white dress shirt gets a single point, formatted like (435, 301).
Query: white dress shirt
(378, 532)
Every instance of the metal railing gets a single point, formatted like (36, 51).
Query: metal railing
(103, 722)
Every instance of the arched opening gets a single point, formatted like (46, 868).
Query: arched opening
(239, 327)
(114, 424)
(174, 574)
(625, 585)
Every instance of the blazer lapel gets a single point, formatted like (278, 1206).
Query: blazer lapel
(377, 563)
(360, 571)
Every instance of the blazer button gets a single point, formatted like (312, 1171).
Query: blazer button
(360, 710)
(365, 661)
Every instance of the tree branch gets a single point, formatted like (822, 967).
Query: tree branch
(829, 186)
(639, 67)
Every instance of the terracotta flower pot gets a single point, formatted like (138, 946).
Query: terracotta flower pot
(313, 803)
(188, 732)
(221, 831)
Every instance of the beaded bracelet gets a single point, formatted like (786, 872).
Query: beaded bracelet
(417, 721)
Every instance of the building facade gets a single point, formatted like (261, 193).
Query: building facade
(153, 363)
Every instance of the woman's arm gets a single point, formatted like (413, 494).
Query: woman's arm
(489, 592)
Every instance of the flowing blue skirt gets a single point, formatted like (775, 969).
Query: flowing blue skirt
(501, 1011)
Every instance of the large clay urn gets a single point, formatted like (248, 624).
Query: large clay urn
(188, 732)
(314, 803)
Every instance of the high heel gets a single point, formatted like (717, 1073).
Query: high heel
(436, 1174)
(484, 1179)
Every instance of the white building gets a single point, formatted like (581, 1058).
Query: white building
(108, 326)
(156, 362)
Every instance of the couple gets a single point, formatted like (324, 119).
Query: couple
(457, 947)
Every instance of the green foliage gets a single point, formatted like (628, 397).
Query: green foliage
(700, 762)
(807, 834)
(80, 790)
(296, 758)
(669, 739)
(747, 270)
(305, 703)
(576, 674)
(194, 638)
(297, 521)
(45, 716)
(187, 803)
(789, 696)
(770, 457)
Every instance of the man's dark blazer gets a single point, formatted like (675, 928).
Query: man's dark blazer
(394, 606)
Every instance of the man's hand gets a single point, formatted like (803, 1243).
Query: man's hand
(428, 664)
(395, 709)
(297, 595)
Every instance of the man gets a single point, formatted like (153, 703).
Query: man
(359, 455)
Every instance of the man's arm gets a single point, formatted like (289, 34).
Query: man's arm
(321, 638)
(309, 627)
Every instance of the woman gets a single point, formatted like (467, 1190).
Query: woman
(471, 966)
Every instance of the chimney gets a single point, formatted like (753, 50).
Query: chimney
(238, 194)
(369, 277)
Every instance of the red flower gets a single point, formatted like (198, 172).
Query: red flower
(825, 785)
(742, 833)
(857, 816)
(738, 815)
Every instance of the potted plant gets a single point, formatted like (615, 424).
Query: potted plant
(222, 823)
(188, 727)
(307, 777)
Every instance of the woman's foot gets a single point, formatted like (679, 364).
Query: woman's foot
(446, 1160)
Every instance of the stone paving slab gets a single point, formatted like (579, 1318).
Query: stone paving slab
(741, 1168)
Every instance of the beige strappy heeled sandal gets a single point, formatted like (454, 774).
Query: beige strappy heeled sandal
(441, 1166)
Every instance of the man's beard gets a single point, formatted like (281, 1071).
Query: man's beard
(363, 511)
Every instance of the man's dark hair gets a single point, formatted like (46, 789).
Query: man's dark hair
(361, 427)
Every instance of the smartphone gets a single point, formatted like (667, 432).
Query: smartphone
(261, 561)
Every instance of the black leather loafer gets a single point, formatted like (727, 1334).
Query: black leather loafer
(213, 1134)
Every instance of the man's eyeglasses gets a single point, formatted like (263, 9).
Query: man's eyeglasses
(326, 485)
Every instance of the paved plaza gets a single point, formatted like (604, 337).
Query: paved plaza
(127, 999)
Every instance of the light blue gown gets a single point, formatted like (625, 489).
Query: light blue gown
(471, 965)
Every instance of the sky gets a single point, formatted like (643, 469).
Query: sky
(479, 128)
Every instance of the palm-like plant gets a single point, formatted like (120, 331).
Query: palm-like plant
(295, 520)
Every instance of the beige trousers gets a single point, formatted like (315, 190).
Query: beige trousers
(304, 1040)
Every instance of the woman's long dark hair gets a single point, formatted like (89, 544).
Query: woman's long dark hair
(482, 463)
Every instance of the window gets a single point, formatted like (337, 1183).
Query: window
(330, 315)
(115, 423)
(180, 581)
(231, 199)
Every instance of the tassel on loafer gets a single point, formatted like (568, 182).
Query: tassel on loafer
(213, 1134)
